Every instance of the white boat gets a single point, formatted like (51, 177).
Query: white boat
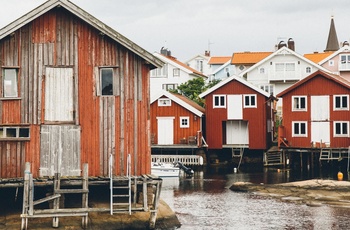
(165, 170)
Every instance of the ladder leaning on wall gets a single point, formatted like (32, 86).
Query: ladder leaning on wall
(120, 189)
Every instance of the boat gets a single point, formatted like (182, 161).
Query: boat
(165, 169)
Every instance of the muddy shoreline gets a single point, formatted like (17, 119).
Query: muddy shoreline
(310, 192)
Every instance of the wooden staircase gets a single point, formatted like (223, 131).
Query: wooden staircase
(273, 157)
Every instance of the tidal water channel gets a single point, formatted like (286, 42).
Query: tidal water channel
(205, 201)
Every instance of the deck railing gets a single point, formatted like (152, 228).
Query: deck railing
(184, 159)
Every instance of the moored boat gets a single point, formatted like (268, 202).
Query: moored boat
(165, 169)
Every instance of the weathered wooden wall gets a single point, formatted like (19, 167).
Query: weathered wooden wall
(117, 125)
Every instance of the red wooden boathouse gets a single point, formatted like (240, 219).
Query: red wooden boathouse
(73, 91)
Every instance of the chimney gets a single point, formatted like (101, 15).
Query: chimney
(207, 53)
(165, 51)
(291, 44)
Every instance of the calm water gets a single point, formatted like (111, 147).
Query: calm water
(205, 202)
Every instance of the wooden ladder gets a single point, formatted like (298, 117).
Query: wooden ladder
(325, 154)
(120, 189)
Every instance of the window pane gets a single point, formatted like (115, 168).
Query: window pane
(302, 128)
(252, 102)
(302, 103)
(290, 66)
(344, 102)
(10, 83)
(216, 101)
(246, 100)
(345, 128)
(107, 81)
(337, 102)
(296, 128)
(337, 128)
(222, 100)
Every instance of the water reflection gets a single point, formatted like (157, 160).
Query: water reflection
(205, 202)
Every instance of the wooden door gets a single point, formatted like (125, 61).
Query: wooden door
(320, 126)
(234, 107)
(237, 133)
(60, 150)
(165, 130)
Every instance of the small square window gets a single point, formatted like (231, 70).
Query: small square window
(219, 101)
(184, 122)
(331, 62)
(249, 101)
(299, 103)
(176, 72)
(308, 69)
(299, 129)
(341, 102)
(341, 129)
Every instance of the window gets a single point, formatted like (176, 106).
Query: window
(262, 70)
(284, 67)
(268, 88)
(106, 81)
(299, 103)
(299, 128)
(184, 122)
(168, 87)
(344, 58)
(14, 132)
(176, 72)
(219, 101)
(341, 102)
(249, 101)
(200, 65)
(290, 66)
(331, 62)
(10, 82)
(164, 102)
(160, 72)
(341, 129)
(308, 69)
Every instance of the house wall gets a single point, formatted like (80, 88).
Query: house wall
(175, 110)
(256, 117)
(315, 86)
(109, 125)
(335, 67)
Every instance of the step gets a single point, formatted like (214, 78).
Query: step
(126, 195)
(121, 187)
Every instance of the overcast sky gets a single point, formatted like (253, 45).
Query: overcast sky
(186, 27)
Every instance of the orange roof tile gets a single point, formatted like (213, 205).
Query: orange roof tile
(219, 60)
(317, 57)
(184, 65)
(249, 57)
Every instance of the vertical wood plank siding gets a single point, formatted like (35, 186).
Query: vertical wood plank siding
(117, 125)
(256, 117)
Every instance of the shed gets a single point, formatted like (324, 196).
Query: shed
(238, 115)
(72, 91)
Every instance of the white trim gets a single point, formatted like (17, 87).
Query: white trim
(185, 118)
(342, 134)
(294, 109)
(162, 100)
(250, 97)
(341, 108)
(219, 96)
(299, 135)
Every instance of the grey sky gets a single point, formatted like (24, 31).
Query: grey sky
(187, 26)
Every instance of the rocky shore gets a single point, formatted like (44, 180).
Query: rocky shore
(166, 219)
(314, 192)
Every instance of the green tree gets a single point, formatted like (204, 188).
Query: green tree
(192, 88)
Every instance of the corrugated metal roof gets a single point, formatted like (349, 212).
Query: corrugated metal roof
(91, 20)
(249, 57)
(219, 60)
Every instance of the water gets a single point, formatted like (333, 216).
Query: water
(205, 202)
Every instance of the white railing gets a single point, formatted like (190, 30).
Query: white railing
(184, 159)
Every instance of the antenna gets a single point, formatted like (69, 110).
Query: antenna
(209, 43)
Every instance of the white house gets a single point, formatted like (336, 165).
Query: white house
(172, 74)
(280, 70)
(199, 62)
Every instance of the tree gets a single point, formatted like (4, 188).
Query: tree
(192, 88)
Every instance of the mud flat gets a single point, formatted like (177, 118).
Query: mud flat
(310, 192)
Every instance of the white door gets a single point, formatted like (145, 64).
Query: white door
(237, 133)
(59, 94)
(165, 130)
(234, 107)
(320, 126)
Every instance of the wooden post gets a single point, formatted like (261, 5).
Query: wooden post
(24, 224)
(144, 191)
(85, 200)
(153, 217)
(56, 202)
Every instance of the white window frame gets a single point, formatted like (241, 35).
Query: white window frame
(249, 105)
(331, 62)
(342, 134)
(219, 96)
(299, 134)
(187, 119)
(294, 106)
(164, 102)
(308, 69)
(10, 83)
(15, 133)
(167, 86)
(269, 88)
(341, 102)
(262, 70)
(176, 72)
